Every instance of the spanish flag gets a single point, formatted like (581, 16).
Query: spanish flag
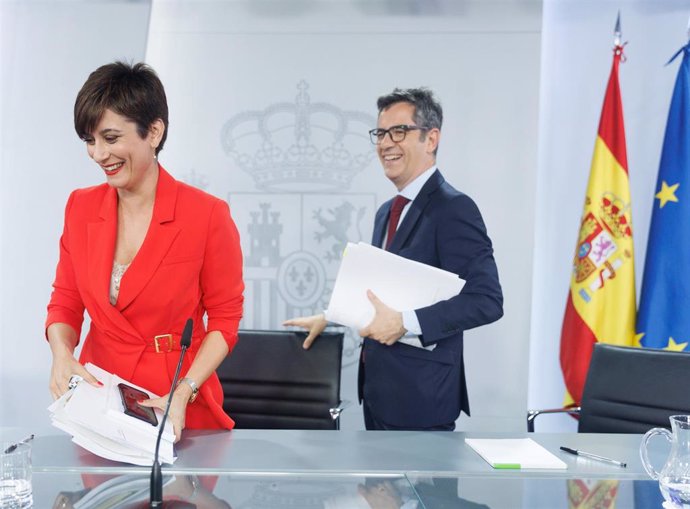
(601, 301)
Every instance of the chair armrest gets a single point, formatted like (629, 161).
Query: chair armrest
(335, 412)
(532, 414)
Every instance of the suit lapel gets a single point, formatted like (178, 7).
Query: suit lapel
(159, 238)
(380, 222)
(415, 211)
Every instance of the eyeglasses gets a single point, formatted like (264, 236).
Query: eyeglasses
(397, 133)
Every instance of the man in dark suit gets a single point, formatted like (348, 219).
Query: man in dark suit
(411, 374)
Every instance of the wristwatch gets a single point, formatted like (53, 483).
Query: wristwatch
(193, 385)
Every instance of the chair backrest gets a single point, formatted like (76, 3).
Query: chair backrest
(270, 382)
(630, 390)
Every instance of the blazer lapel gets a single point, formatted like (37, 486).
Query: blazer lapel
(101, 248)
(100, 251)
(415, 212)
(159, 238)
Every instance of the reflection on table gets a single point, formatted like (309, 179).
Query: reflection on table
(131, 491)
(535, 493)
(124, 491)
(251, 491)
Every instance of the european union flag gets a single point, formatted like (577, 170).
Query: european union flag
(663, 320)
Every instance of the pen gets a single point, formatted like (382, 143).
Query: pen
(13, 447)
(593, 456)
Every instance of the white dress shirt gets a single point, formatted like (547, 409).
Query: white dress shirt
(410, 321)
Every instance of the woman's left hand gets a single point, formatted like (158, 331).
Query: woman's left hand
(178, 408)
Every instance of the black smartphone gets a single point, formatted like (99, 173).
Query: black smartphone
(130, 398)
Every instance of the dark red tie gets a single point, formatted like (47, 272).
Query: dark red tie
(399, 203)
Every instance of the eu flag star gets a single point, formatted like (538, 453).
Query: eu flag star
(638, 340)
(667, 193)
(675, 347)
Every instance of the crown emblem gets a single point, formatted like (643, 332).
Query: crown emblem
(612, 214)
(288, 145)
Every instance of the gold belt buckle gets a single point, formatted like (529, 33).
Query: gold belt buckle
(160, 343)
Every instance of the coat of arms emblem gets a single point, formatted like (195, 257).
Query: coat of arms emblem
(602, 244)
(301, 211)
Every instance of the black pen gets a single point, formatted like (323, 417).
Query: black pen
(593, 456)
(13, 447)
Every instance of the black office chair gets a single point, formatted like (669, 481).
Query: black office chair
(630, 390)
(270, 382)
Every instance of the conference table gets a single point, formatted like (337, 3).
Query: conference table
(261, 469)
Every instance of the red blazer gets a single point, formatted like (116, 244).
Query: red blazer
(190, 263)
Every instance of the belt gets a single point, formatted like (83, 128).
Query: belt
(163, 343)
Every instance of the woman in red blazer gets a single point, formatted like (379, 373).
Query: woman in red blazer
(142, 253)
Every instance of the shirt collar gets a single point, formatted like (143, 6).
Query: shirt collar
(411, 190)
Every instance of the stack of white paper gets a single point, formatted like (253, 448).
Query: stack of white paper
(402, 284)
(514, 453)
(95, 418)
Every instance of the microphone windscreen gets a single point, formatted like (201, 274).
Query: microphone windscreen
(186, 340)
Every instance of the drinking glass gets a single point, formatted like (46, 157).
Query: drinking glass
(15, 476)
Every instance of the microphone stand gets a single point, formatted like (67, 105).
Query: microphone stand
(156, 499)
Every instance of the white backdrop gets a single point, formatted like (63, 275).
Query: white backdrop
(331, 64)
(48, 50)
(517, 137)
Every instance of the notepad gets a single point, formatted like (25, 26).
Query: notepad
(514, 453)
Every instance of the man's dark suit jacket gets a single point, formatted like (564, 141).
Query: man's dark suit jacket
(411, 387)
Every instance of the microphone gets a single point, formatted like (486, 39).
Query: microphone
(156, 499)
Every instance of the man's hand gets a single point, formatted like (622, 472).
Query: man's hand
(315, 324)
(383, 495)
(387, 325)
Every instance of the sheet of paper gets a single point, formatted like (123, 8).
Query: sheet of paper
(514, 453)
(95, 418)
(402, 284)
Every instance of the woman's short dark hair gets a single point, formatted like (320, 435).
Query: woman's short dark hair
(427, 110)
(133, 91)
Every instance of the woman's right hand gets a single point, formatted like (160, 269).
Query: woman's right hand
(315, 324)
(63, 339)
(62, 370)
